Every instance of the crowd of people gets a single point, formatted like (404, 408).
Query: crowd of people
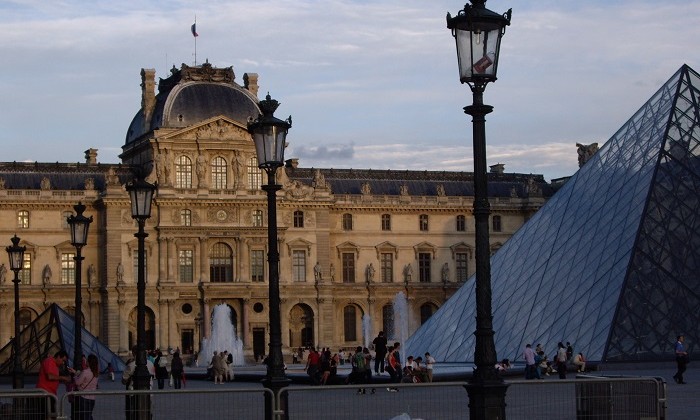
(322, 366)
(538, 365)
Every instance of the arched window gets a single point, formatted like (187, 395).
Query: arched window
(221, 263)
(186, 217)
(183, 172)
(350, 323)
(426, 311)
(254, 174)
(298, 219)
(218, 173)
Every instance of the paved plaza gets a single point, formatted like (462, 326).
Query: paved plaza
(682, 399)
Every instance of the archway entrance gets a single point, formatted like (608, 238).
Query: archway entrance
(150, 329)
(301, 326)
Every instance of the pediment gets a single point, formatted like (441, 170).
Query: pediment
(299, 243)
(462, 247)
(348, 246)
(387, 246)
(425, 247)
(212, 129)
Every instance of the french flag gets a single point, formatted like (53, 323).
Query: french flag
(194, 29)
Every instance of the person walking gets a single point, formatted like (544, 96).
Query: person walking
(161, 365)
(380, 352)
(429, 364)
(87, 380)
(681, 359)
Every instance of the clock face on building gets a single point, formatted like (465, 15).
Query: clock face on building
(221, 215)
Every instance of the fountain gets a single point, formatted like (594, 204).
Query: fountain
(223, 337)
(367, 329)
(400, 318)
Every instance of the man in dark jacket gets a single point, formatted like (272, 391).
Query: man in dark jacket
(380, 350)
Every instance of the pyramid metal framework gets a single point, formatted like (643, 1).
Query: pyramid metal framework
(50, 332)
(612, 262)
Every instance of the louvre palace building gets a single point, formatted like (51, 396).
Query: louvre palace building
(349, 240)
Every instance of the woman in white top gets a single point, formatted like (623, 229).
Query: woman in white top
(87, 379)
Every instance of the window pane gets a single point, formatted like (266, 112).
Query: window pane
(462, 266)
(386, 222)
(183, 172)
(461, 223)
(298, 219)
(347, 221)
(257, 218)
(186, 217)
(257, 267)
(298, 265)
(254, 174)
(348, 267)
(424, 267)
(387, 267)
(423, 222)
(23, 219)
(68, 268)
(218, 173)
(186, 258)
(221, 263)
(25, 275)
(496, 221)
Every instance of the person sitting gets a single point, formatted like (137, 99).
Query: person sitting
(503, 365)
(420, 371)
(580, 363)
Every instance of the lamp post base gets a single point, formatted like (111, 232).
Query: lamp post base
(487, 399)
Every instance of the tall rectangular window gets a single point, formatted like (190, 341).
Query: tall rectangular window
(186, 263)
(218, 173)
(257, 265)
(462, 267)
(348, 262)
(25, 275)
(423, 222)
(386, 222)
(68, 268)
(496, 223)
(254, 174)
(186, 217)
(298, 219)
(461, 223)
(298, 265)
(183, 172)
(424, 267)
(257, 218)
(347, 221)
(23, 219)
(387, 267)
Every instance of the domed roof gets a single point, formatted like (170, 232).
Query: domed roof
(194, 94)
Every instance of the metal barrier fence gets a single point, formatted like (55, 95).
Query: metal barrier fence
(26, 404)
(584, 398)
(202, 404)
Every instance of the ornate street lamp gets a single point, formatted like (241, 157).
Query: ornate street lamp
(478, 31)
(141, 195)
(16, 254)
(79, 226)
(269, 135)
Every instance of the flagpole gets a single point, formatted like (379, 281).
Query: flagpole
(195, 40)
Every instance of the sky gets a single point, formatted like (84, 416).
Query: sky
(369, 84)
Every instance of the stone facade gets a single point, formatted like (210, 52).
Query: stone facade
(349, 240)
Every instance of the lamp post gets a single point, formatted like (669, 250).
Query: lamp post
(16, 254)
(79, 226)
(478, 31)
(141, 195)
(269, 134)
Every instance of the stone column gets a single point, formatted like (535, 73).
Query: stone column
(171, 325)
(162, 325)
(203, 260)
(162, 259)
(172, 260)
(124, 326)
(244, 322)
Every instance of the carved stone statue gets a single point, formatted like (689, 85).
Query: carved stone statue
(403, 190)
(45, 183)
(586, 152)
(440, 189)
(445, 273)
(317, 272)
(408, 272)
(46, 274)
(238, 164)
(366, 189)
(332, 272)
(369, 272)
(201, 169)
(319, 180)
(3, 273)
(120, 273)
(92, 274)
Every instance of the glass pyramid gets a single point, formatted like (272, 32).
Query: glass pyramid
(611, 263)
(50, 332)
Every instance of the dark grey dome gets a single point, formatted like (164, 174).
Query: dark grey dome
(182, 102)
